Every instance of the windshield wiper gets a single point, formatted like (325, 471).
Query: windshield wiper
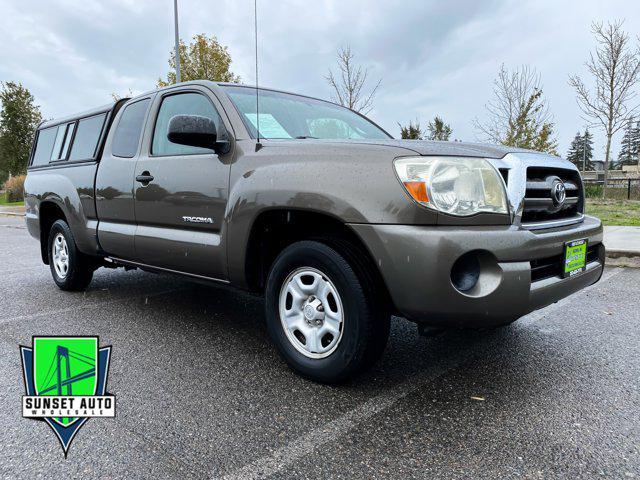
(303, 137)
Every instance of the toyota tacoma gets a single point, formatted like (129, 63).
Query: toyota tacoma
(315, 207)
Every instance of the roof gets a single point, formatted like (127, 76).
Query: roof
(87, 113)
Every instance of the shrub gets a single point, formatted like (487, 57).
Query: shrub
(15, 188)
(592, 190)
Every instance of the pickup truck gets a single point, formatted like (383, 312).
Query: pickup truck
(315, 207)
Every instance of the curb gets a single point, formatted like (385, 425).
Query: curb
(622, 253)
(12, 214)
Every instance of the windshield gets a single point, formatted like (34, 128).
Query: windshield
(283, 115)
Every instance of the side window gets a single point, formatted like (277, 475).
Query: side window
(127, 134)
(68, 136)
(181, 104)
(63, 140)
(44, 146)
(87, 136)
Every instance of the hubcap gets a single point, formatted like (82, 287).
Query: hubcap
(60, 253)
(311, 312)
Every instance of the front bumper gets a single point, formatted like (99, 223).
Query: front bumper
(416, 261)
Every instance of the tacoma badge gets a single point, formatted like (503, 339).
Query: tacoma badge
(197, 219)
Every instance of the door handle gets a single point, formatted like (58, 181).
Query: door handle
(145, 178)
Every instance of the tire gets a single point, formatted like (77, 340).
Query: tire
(310, 273)
(71, 270)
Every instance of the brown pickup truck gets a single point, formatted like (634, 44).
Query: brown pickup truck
(338, 225)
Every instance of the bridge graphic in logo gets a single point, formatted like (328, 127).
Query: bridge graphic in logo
(65, 380)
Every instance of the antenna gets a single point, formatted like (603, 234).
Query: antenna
(255, 17)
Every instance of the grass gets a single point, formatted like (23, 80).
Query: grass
(615, 212)
(5, 203)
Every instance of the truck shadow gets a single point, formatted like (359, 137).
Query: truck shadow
(234, 322)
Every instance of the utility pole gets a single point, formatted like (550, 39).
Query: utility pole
(175, 17)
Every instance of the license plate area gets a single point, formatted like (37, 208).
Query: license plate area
(574, 258)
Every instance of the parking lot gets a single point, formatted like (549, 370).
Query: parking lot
(201, 392)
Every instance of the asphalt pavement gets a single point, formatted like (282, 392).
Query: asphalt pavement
(202, 393)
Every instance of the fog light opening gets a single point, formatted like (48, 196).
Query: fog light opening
(466, 272)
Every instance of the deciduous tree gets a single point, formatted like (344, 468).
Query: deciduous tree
(348, 84)
(19, 118)
(615, 69)
(518, 114)
(203, 59)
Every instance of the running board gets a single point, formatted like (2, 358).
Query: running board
(143, 266)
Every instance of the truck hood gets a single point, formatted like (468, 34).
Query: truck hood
(420, 147)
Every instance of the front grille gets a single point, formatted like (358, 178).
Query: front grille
(541, 203)
(552, 266)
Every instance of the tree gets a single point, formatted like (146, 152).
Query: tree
(587, 145)
(574, 154)
(19, 118)
(438, 130)
(615, 70)
(628, 154)
(411, 131)
(518, 114)
(349, 83)
(204, 59)
(635, 142)
(581, 151)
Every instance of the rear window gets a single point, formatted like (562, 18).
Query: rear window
(44, 146)
(127, 134)
(87, 136)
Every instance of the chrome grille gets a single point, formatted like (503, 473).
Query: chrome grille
(542, 202)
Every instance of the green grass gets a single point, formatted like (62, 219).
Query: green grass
(5, 203)
(615, 212)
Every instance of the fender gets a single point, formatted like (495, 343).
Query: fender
(277, 177)
(72, 191)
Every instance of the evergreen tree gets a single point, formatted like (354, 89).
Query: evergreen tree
(574, 154)
(411, 131)
(628, 149)
(635, 141)
(438, 130)
(587, 145)
(581, 151)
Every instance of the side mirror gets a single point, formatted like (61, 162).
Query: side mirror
(196, 131)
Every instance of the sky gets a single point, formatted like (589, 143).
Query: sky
(434, 57)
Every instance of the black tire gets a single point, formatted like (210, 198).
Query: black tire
(365, 328)
(79, 272)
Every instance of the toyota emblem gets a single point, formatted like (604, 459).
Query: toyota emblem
(559, 192)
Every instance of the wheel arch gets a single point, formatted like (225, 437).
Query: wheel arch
(275, 229)
(50, 212)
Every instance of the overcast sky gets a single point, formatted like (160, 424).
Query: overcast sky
(434, 57)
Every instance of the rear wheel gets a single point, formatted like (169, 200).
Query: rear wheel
(70, 268)
(322, 315)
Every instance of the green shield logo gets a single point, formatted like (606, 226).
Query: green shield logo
(65, 366)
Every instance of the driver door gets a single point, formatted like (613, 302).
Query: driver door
(181, 192)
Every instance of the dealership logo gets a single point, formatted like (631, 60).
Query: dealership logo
(66, 381)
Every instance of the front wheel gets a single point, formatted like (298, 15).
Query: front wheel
(322, 315)
(70, 268)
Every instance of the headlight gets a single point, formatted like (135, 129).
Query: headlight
(457, 186)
